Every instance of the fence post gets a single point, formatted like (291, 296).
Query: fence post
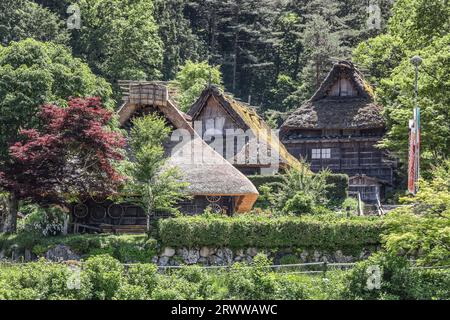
(325, 268)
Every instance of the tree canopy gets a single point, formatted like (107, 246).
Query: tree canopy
(21, 19)
(34, 73)
(417, 27)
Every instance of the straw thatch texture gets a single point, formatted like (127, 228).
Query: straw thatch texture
(324, 111)
(207, 172)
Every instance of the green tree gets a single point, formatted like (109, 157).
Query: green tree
(422, 231)
(180, 43)
(21, 19)
(192, 79)
(33, 73)
(154, 185)
(417, 27)
(379, 56)
(119, 39)
(396, 93)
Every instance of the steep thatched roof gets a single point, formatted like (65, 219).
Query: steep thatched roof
(324, 111)
(207, 172)
(246, 118)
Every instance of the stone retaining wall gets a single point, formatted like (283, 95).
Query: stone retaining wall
(226, 256)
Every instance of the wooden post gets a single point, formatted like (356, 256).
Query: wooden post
(360, 210)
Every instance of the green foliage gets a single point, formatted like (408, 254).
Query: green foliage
(417, 22)
(300, 203)
(180, 43)
(397, 95)
(379, 56)
(305, 187)
(22, 19)
(105, 274)
(422, 231)
(46, 221)
(119, 39)
(289, 259)
(260, 180)
(126, 248)
(417, 27)
(33, 73)
(192, 79)
(40, 281)
(336, 189)
(271, 232)
(253, 283)
(104, 278)
(152, 186)
(398, 280)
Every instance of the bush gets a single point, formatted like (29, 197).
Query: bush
(259, 180)
(255, 283)
(397, 280)
(45, 221)
(337, 189)
(271, 232)
(299, 204)
(40, 280)
(125, 248)
(106, 276)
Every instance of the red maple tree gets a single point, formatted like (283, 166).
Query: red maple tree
(72, 154)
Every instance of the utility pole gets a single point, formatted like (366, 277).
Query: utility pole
(414, 134)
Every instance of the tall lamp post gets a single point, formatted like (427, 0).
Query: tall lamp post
(414, 135)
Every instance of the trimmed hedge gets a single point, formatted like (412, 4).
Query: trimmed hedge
(260, 180)
(266, 232)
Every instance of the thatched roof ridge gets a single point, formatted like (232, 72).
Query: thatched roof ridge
(246, 118)
(207, 172)
(328, 112)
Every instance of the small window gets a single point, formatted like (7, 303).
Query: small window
(321, 153)
(315, 154)
(326, 153)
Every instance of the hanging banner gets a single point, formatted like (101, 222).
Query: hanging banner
(414, 152)
(412, 158)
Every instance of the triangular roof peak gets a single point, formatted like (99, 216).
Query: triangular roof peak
(246, 118)
(346, 72)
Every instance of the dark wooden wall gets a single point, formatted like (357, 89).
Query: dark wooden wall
(352, 155)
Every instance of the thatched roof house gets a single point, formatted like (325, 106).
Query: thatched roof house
(338, 129)
(209, 175)
(214, 110)
(343, 101)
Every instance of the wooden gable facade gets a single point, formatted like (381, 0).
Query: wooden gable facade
(214, 114)
(339, 127)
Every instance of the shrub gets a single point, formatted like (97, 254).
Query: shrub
(143, 275)
(397, 280)
(106, 276)
(271, 232)
(300, 203)
(254, 283)
(260, 180)
(40, 280)
(46, 221)
(337, 189)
